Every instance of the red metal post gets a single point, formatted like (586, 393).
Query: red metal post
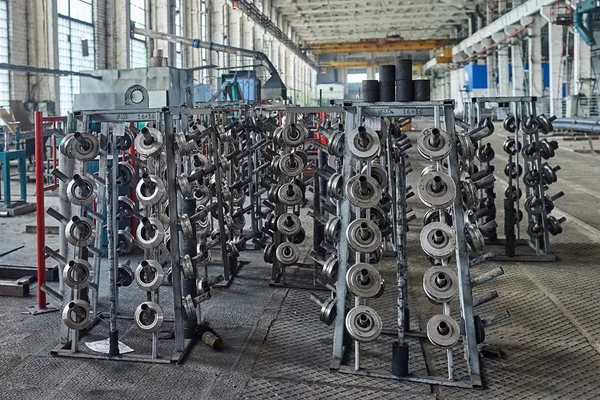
(40, 209)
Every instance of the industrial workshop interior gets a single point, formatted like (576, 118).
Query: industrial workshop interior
(299, 199)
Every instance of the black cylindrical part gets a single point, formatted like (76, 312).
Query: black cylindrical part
(387, 73)
(422, 89)
(370, 90)
(404, 90)
(403, 69)
(387, 90)
(399, 359)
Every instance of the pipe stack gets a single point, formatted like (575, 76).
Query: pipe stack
(404, 81)
(387, 83)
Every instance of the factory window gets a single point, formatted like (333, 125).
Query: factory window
(356, 76)
(203, 37)
(139, 52)
(178, 52)
(4, 75)
(76, 48)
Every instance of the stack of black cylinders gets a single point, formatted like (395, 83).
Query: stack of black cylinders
(387, 83)
(404, 81)
(370, 91)
(422, 90)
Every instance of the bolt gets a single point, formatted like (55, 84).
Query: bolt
(363, 321)
(364, 232)
(435, 139)
(441, 280)
(82, 140)
(561, 220)
(148, 139)
(364, 278)
(364, 187)
(437, 184)
(443, 328)
(364, 139)
(438, 237)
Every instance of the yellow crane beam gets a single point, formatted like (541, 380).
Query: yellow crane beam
(361, 64)
(379, 45)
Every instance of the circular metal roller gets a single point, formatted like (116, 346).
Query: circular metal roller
(124, 142)
(79, 231)
(150, 190)
(475, 238)
(125, 241)
(150, 238)
(434, 144)
(189, 272)
(469, 192)
(288, 224)
(443, 331)
(363, 191)
(466, 148)
(125, 275)
(239, 197)
(335, 186)
(363, 235)
(84, 146)
(330, 269)
(294, 135)
(149, 275)
(77, 314)
(188, 306)
(291, 165)
(332, 229)
(202, 195)
(200, 161)
(149, 316)
(81, 191)
(336, 143)
(125, 173)
(378, 173)
(365, 281)
(149, 142)
(437, 190)
(440, 284)
(77, 274)
(363, 324)
(438, 240)
(363, 143)
(328, 311)
(268, 253)
(287, 253)
(65, 145)
(434, 216)
(290, 194)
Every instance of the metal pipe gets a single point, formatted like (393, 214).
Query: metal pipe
(199, 44)
(39, 198)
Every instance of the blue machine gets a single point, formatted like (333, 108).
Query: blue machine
(247, 82)
(476, 75)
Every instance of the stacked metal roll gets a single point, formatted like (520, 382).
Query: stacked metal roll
(404, 81)
(387, 82)
(370, 90)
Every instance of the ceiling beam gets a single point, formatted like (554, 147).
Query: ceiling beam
(362, 47)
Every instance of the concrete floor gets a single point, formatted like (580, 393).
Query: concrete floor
(277, 348)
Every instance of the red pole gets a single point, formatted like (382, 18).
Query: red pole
(39, 208)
